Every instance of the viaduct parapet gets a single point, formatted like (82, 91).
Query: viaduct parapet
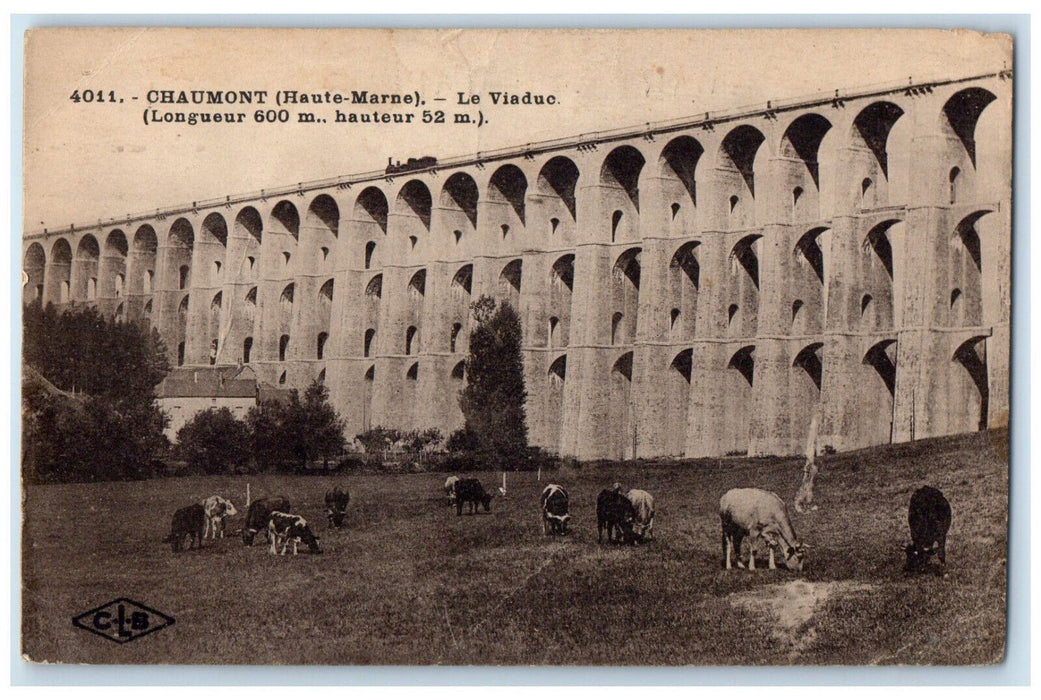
(702, 287)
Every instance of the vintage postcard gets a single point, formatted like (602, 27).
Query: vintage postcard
(516, 347)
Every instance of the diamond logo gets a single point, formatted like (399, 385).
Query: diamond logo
(122, 620)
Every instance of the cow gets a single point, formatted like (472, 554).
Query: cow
(217, 509)
(754, 512)
(555, 516)
(643, 503)
(450, 483)
(286, 528)
(336, 506)
(258, 515)
(470, 491)
(614, 513)
(190, 522)
(929, 518)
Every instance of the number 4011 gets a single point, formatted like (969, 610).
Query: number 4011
(93, 96)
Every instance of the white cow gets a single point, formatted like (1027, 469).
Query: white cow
(217, 509)
(754, 512)
(450, 483)
(643, 502)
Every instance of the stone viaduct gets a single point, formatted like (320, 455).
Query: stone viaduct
(699, 287)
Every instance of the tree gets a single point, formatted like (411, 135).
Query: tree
(88, 410)
(214, 441)
(493, 399)
(298, 430)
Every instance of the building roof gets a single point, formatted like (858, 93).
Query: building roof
(209, 382)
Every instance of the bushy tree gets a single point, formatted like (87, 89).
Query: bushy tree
(298, 430)
(92, 415)
(214, 441)
(378, 439)
(493, 399)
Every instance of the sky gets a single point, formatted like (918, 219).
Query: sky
(89, 161)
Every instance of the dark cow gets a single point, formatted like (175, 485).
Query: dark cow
(286, 528)
(614, 512)
(258, 515)
(555, 516)
(470, 491)
(189, 522)
(929, 517)
(336, 506)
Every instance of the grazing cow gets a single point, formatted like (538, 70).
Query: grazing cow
(190, 522)
(615, 513)
(929, 517)
(470, 491)
(643, 503)
(754, 512)
(217, 509)
(336, 506)
(555, 516)
(286, 528)
(450, 483)
(258, 515)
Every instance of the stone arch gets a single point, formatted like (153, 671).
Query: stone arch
(684, 285)
(319, 234)
(143, 261)
(417, 284)
(876, 392)
(871, 129)
(34, 265)
(802, 140)
(285, 307)
(460, 194)
(459, 371)
(372, 207)
(374, 289)
(510, 282)
(247, 349)
(414, 202)
(625, 296)
(558, 179)
(412, 340)
(370, 250)
(619, 409)
(59, 272)
(324, 212)
(738, 152)
(367, 343)
(508, 185)
(738, 397)
(677, 402)
(744, 284)
(463, 279)
(553, 412)
(283, 349)
(877, 272)
(970, 394)
(210, 251)
(286, 221)
(85, 269)
(622, 169)
(323, 337)
(561, 292)
(804, 388)
(112, 268)
(962, 113)
(678, 164)
(453, 338)
(966, 271)
(368, 382)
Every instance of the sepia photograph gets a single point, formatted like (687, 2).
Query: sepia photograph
(516, 347)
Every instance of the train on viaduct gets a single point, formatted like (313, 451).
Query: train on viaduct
(700, 287)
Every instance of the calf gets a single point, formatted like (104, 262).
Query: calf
(754, 512)
(643, 504)
(615, 513)
(258, 515)
(336, 506)
(555, 516)
(470, 491)
(217, 509)
(287, 528)
(190, 522)
(450, 483)
(929, 517)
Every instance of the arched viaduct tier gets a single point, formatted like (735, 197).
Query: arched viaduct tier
(696, 288)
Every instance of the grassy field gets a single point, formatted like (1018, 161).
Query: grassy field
(408, 582)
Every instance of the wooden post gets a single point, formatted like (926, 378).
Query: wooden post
(247, 494)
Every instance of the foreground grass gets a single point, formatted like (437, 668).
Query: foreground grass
(408, 582)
